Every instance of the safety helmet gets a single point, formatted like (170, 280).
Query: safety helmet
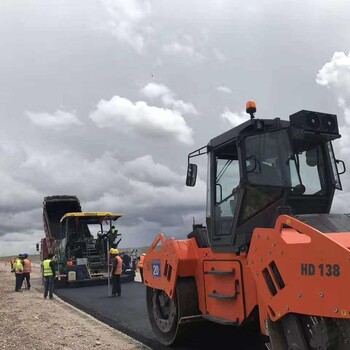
(114, 251)
(25, 255)
(144, 254)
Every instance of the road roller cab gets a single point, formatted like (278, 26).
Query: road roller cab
(270, 247)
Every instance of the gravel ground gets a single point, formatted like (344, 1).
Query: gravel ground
(28, 321)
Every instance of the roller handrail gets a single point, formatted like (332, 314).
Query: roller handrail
(159, 238)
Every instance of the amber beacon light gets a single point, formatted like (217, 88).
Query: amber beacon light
(251, 108)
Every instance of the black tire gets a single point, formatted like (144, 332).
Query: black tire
(165, 313)
(278, 340)
(326, 333)
(319, 333)
(343, 328)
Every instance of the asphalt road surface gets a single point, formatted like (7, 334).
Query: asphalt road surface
(128, 314)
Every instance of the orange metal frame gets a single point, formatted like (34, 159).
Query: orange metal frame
(216, 274)
(291, 268)
(313, 270)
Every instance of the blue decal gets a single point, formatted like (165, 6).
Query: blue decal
(156, 268)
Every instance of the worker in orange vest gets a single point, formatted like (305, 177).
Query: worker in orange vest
(140, 265)
(27, 269)
(117, 265)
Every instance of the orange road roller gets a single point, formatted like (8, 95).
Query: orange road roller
(271, 252)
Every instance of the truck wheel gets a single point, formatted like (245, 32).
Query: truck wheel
(165, 314)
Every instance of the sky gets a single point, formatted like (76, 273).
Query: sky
(105, 99)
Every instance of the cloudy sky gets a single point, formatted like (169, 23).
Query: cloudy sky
(105, 99)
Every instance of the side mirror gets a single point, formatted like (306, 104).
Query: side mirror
(37, 247)
(191, 175)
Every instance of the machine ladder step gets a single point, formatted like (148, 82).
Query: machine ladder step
(223, 296)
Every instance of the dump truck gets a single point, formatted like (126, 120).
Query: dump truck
(271, 253)
(80, 241)
(54, 207)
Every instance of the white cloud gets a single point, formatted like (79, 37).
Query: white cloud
(126, 21)
(146, 170)
(234, 118)
(153, 90)
(59, 120)
(184, 50)
(224, 89)
(335, 75)
(148, 121)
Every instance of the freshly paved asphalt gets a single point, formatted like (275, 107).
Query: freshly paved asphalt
(128, 314)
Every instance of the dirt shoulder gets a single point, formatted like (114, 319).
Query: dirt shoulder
(28, 321)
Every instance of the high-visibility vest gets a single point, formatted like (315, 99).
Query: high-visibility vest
(118, 270)
(47, 268)
(27, 266)
(140, 264)
(18, 266)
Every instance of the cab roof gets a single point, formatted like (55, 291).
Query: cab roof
(246, 128)
(92, 217)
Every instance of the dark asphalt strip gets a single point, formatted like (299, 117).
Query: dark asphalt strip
(128, 314)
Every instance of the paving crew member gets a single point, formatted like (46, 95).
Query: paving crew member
(140, 265)
(18, 270)
(27, 269)
(126, 261)
(112, 235)
(117, 265)
(112, 232)
(48, 274)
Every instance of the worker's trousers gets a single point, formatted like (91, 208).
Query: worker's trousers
(26, 277)
(141, 273)
(48, 281)
(19, 281)
(116, 288)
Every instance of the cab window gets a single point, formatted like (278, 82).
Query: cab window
(227, 181)
(311, 170)
(266, 159)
